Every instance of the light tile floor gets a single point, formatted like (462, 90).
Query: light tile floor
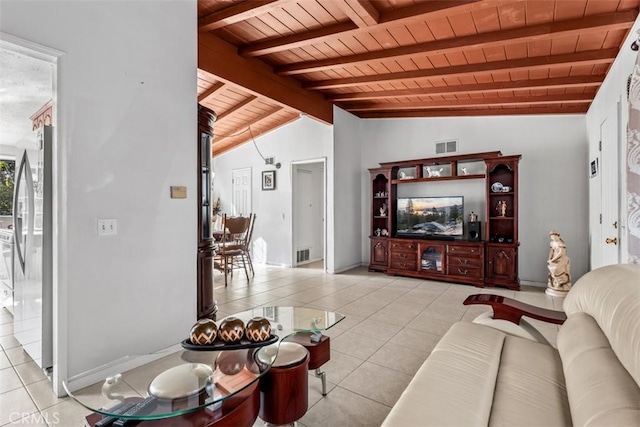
(392, 325)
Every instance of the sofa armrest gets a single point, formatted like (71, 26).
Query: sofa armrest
(512, 310)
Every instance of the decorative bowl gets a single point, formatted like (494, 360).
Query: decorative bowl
(231, 330)
(204, 332)
(258, 329)
(496, 187)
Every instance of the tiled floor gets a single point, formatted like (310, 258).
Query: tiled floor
(392, 325)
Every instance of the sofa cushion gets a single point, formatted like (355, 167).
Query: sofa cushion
(530, 388)
(611, 295)
(478, 376)
(601, 391)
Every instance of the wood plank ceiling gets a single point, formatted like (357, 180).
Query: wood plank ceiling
(262, 63)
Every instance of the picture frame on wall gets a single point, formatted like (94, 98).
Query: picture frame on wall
(269, 180)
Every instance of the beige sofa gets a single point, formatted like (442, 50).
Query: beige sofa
(478, 375)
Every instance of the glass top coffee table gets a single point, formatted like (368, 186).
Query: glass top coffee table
(185, 381)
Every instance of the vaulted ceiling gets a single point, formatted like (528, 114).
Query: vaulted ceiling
(262, 63)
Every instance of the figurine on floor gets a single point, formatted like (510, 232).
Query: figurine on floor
(559, 265)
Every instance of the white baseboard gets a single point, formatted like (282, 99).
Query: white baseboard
(529, 283)
(343, 269)
(98, 375)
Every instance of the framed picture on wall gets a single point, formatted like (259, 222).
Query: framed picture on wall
(269, 180)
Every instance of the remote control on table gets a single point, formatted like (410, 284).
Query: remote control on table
(136, 409)
(118, 409)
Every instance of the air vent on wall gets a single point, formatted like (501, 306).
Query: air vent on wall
(447, 147)
(302, 255)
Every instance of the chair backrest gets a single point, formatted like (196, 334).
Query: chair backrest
(236, 230)
(252, 222)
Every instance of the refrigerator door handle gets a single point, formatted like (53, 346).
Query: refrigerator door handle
(18, 226)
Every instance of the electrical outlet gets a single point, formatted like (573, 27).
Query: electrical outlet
(107, 227)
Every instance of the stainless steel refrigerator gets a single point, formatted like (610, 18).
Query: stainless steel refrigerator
(33, 272)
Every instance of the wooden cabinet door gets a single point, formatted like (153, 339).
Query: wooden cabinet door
(379, 252)
(501, 263)
(379, 257)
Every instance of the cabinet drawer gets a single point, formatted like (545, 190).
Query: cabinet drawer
(404, 246)
(465, 271)
(403, 265)
(460, 261)
(404, 256)
(465, 250)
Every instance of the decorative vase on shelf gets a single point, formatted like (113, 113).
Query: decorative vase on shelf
(258, 329)
(231, 330)
(203, 332)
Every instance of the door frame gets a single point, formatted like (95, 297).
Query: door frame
(59, 210)
(322, 160)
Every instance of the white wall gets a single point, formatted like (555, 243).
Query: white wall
(349, 147)
(612, 90)
(553, 178)
(303, 139)
(126, 131)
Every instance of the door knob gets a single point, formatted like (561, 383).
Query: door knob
(610, 240)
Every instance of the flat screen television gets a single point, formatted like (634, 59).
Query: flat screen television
(430, 216)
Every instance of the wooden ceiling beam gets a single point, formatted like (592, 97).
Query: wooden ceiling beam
(211, 92)
(565, 82)
(258, 78)
(361, 12)
(604, 56)
(236, 13)
(237, 107)
(572, 27)
(233, 144)
(407, 15)
(472, 102)
(233, 133)
(571, 109)
(295, 40)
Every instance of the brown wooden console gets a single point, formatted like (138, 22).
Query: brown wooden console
(452, 261)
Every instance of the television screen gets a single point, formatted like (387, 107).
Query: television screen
(430, 216)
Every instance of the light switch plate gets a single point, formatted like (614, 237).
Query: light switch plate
(178, 192)
(107, 226)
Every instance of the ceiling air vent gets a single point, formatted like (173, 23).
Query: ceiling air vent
(447, 147)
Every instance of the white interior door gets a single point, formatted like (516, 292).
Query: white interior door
(308, 212)
(241, 187)
(610, 224)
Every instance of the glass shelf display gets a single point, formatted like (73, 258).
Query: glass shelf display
(436, 170)
(475, 167)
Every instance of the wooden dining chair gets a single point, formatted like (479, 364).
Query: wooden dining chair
(231, 248)
(247, 246)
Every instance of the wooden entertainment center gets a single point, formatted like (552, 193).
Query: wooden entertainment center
(484, 257)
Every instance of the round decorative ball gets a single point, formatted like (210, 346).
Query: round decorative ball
(231, 330)
(204, 332)
(258, 329)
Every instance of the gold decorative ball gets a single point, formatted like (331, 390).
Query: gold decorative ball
(231, 330)
(204, 332)
(258, 329)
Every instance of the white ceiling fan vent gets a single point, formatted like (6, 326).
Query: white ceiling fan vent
(447, 147)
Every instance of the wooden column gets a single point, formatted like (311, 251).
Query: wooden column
(206, 301)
